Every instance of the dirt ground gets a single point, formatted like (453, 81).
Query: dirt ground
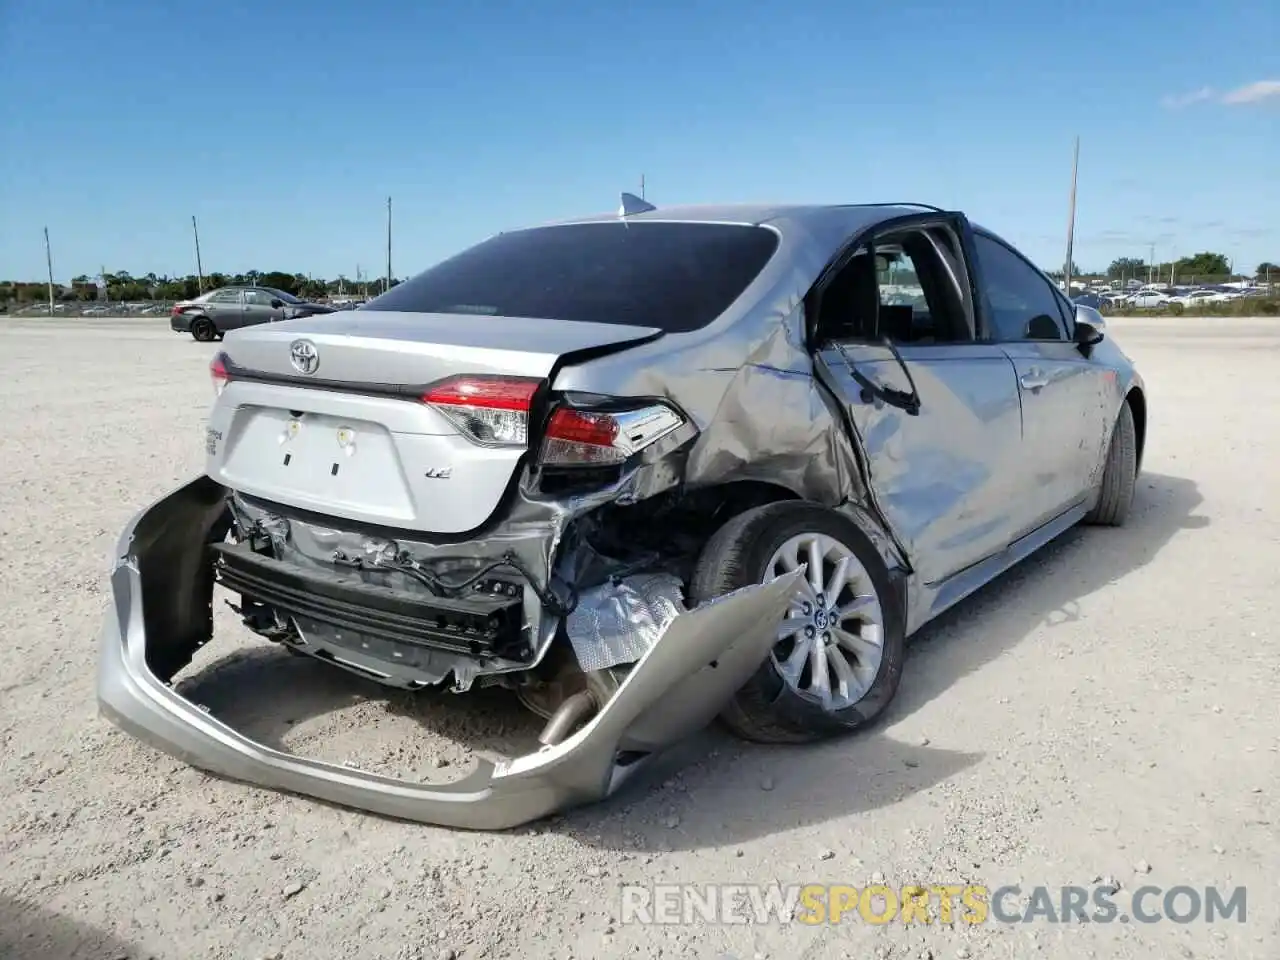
(1107, 713)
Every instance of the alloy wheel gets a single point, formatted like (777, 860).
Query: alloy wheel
(831, 642)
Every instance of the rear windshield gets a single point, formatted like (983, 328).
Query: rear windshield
(673, 276)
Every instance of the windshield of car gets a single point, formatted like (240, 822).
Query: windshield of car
(286, 297)
(673, 276)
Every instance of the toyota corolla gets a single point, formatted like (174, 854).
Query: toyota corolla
(645, 469)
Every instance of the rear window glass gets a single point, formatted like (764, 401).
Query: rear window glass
(673, 276)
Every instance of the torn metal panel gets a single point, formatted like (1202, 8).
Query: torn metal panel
(534, 533)
(616, 622)
(777, 424)
(160, 613)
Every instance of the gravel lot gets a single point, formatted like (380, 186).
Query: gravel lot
(1109, 710)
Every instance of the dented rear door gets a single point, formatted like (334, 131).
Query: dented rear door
(947, 480)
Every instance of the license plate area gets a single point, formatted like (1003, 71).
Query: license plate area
(317, 459)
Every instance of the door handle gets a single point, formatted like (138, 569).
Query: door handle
(1033, 380)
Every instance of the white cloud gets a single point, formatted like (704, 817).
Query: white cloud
(1187, 99)
(1254, 92)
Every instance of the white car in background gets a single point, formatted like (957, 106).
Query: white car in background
(1205, 296)
(1147, 299)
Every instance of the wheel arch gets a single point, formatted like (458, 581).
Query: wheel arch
(1137, 402)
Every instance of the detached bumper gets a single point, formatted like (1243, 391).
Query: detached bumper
(161, 614)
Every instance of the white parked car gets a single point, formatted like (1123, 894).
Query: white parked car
(1205, 296)
(1147, 299)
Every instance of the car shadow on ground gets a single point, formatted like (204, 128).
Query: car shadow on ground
(1045, 589)
(29, 932)
(264, 692)
(720, 800)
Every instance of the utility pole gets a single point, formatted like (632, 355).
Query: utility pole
(48, 259)
(388, 244)
(106, 290)
(1071, 220)
(199, 266)
(1151, 263)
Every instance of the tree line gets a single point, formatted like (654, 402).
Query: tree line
(1201, 267)
(123, 286)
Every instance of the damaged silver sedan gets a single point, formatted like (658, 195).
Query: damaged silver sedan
(644, 470)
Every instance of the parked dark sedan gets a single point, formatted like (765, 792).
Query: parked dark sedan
(212, 314)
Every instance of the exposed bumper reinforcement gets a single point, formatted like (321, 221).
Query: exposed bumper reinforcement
(161, 613)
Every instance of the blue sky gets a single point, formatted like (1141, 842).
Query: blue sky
(284, 125)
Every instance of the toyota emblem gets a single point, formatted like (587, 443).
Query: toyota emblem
(304, 356)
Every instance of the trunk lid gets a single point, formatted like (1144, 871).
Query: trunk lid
(351, 439)
(360, 347)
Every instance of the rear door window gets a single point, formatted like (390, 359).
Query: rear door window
(673, 276)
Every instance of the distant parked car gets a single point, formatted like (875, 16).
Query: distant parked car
(210, 315)
(1196, 297)
(1091, 300)
(1148, 299)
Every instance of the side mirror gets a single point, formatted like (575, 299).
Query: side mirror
(1088, 336)
(276, 303)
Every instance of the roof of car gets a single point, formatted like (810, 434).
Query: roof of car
(855, 215)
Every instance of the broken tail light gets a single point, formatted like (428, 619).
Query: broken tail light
(492, 411)
(495, 412)
(218, 373)
(597, 438)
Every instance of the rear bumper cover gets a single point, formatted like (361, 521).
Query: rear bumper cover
(161, 586)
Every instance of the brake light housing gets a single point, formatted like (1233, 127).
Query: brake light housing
(219, 374)
(498, 411)
(490, 411)
(577, 437)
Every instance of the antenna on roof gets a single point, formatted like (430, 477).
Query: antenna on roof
(631, 205)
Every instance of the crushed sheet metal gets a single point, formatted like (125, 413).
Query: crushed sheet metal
(616, 622)
(152, 626)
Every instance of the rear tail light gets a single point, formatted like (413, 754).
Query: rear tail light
(495, 412)
(593, 438)
(176, 312)
(492, 411)
(218, 373)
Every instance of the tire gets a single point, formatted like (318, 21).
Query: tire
(770, 708)
(203, 330)
(1119, 476)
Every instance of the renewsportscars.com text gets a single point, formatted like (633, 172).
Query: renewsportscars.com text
(946, 903)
